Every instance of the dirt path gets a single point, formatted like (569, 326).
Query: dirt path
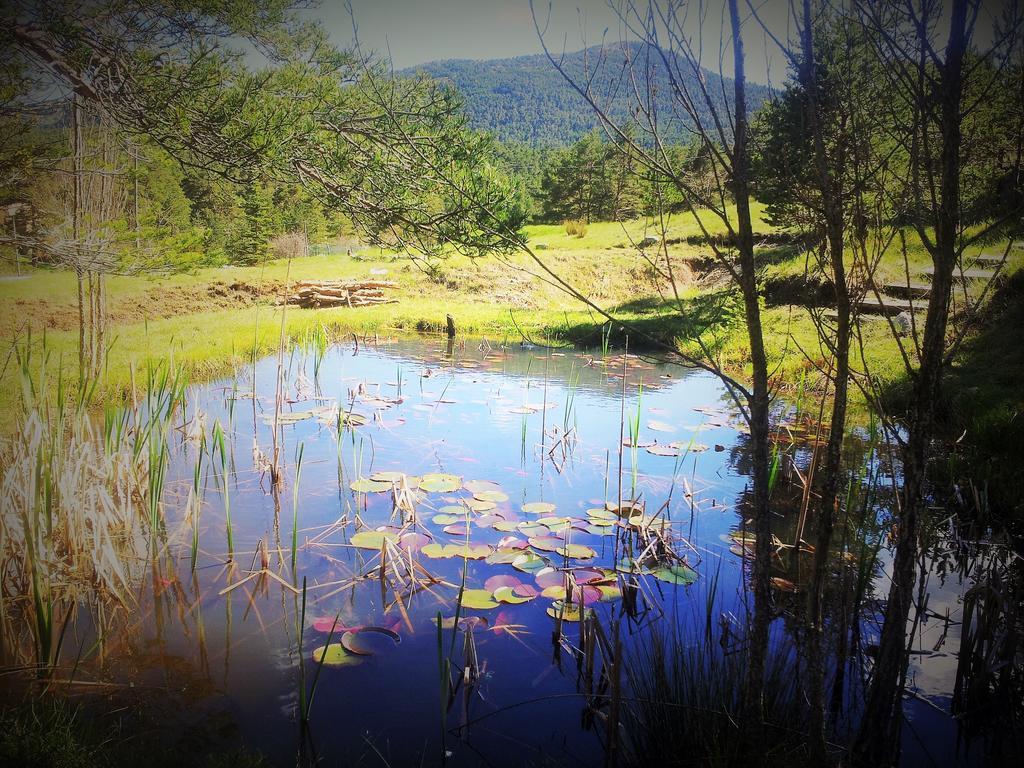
(152, 304)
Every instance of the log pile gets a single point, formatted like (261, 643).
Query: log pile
(340, 293)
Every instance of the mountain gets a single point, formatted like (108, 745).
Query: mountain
(525, 99)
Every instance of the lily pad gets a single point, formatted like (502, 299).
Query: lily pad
(675, 574)
(663, 449)
(480, 486)
(549, 577)
(365, 485)
(501, 580)
(387, 477)
(334, 655)
(538, 508)
(609, 592)
(352, 419)
(566, 611)
(446, 519)
(440, 483)
(506, 595)
(480, 505)
(469, 551)
(495, 496)
(324, 624)
(413, 541)
(578, 551)
(478, 599)
(689, 447)
(528, 562)
(358, 641)
(372, 539)
(533, 529)
(555, 522)
(546, 543)
(504, 556)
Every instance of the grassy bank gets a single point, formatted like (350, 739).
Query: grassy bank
(212, 319)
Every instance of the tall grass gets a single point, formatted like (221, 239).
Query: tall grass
(686, 682)
(575, 227)
(77, 498)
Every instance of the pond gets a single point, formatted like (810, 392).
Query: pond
(510, 492)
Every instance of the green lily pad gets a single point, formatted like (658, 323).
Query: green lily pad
(554, 523)
(387, 477)
(546, 543)
(470, 551)
(528, 562)
(538, 508)
(352, 419)
(436, 551)
(480, 486)
(440, 483)
(365, 485)
(578, 551)
(506, 526)
(600, 513)
(663, 449)
(504, 556)
(372, 539)
(495, 496)
(566, 611)
(533, 529)
(609, 592)
(480, 505)
(444, 519)
(478, 599)
(675, 574)
(334, 655)
(505, 595)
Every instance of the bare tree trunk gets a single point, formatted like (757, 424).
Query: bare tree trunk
(77, 151)
(829, 172)
(759, 402)
(878, 741)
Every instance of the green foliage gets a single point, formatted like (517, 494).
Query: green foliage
(526, 100)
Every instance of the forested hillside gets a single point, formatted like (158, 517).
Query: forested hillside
(526, 99)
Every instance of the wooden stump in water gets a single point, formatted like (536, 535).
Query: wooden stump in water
(451, 327)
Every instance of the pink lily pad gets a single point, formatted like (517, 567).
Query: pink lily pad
(501, 581)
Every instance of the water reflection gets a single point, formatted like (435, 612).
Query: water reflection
(626, 474)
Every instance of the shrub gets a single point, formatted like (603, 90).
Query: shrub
(289, 245)
(577, 227)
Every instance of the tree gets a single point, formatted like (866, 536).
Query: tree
(175, 77)
(578, 183)
(719, 182)
(937, 93)
(817, 169)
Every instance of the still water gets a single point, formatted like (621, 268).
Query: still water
(486, 471)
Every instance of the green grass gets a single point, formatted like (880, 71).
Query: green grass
(489, 298)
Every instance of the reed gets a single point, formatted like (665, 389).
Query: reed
(295, 504)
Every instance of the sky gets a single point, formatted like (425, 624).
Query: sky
(412, 32)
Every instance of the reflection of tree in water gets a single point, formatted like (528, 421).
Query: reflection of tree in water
(988, 690)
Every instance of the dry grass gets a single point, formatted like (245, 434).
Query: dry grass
(575, 227)
(73, 525)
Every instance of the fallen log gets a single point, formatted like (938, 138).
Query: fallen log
(335, 293)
